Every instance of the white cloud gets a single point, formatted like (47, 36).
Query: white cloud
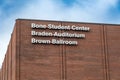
(91, 11)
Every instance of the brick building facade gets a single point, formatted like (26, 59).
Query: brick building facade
(59, 50)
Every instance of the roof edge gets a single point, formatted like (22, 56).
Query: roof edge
(69, 21)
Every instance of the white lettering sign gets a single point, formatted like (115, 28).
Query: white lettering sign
(57, 34)
(60, 27)
(53, 41)
(63, 34)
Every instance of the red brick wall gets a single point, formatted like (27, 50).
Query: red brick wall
(85, 61)
(9, 61)
(41, 62)
(94, 58)
(113, 51)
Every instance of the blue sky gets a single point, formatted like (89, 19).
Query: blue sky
(95, 11)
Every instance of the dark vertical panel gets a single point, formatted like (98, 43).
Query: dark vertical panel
(106, 53)
(0, 74)
(6, 75)
(14, 46)
(9, 62)
(18, 45)
(5, 68)
(103, 50)
(113, 51)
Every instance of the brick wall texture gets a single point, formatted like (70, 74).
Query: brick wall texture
(96, 57)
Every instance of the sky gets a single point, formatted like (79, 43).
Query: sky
(94, 11)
